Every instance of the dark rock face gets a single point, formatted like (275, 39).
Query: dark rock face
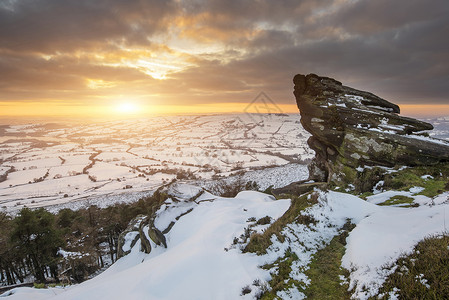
(145, 245)
(155, 234)
(352, 128)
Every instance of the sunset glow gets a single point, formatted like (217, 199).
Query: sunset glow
(76, 57)
(128, 108)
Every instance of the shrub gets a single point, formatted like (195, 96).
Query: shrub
(228, 188)
(246, 290)
(305, 219)
(39, 285)
(264, 221)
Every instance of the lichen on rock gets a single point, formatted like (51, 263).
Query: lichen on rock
(352, 129)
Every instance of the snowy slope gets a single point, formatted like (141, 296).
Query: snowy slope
(201, 262)
(382, 237)
(195, 265)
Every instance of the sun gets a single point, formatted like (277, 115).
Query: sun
(127, 108)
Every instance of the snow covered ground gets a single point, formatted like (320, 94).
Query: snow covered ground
(441, 127)
(60, 164)
(202, 261)
(195, 265)
(381, 238)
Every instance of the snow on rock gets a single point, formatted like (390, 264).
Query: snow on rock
(129, 238)
(184, 191)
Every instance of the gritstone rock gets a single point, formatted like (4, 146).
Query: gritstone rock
(352, 129)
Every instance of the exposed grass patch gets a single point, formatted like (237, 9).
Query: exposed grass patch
(433, 187)
(325, 270)
(39, 285)
(364, 195)
(411, 177)
(424, 274)
(403, 180)
(281, 278)
(259, 242)
(399, 199)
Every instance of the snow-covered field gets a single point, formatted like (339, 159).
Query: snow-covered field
(202, 261)
(441, 127)
(61, 164)
(64, 165)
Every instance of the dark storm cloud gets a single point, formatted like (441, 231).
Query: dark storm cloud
(253, 10)
(61, 25)
(367, 17)
(396, 49)
(235, 18)
(376, 66)
(30, 29)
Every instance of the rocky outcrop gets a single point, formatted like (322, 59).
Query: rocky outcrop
(155, 234)
(128, 238)
(136, 231)
(352, 129)
(145, 245)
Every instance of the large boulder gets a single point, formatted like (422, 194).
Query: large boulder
(352, 129)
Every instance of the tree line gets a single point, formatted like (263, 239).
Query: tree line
(70, 245)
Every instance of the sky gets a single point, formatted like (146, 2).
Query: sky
(67, 57)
